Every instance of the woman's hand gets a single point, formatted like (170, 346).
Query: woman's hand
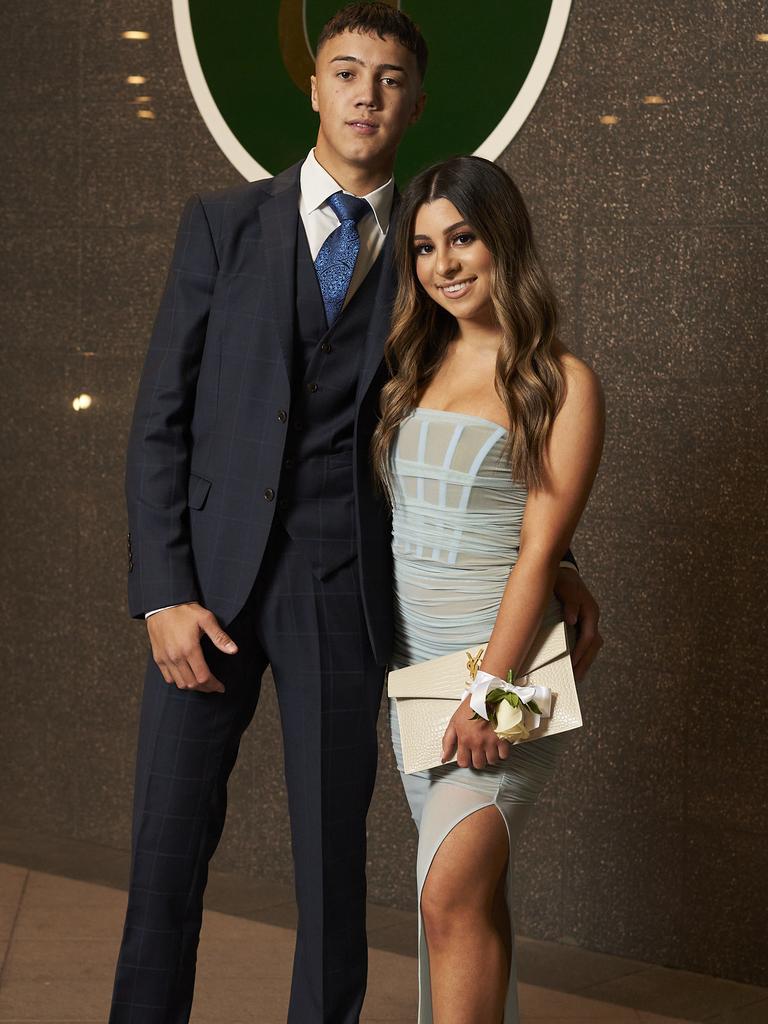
(478, 745)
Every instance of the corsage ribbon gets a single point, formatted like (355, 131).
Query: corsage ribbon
(484, 681)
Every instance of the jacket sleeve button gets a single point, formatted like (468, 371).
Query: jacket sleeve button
(282, 415)
(269, 494)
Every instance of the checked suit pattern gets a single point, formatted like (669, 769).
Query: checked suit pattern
(226, 454)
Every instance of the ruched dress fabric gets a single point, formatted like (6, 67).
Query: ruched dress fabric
(457, 516)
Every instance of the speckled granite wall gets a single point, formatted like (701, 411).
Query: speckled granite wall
(653, 842)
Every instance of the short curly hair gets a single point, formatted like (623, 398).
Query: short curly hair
(382, 20)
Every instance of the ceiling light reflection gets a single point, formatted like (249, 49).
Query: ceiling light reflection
(655, 101)
(761, 37)
(148, 115)
(82, 402)
(136, 80)
(135, 34)
(609, 119)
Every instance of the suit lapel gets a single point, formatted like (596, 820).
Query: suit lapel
(279, 220)
(378, 327)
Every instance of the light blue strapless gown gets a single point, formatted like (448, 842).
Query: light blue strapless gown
(456, 528)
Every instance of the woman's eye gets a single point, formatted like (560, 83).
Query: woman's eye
(464, 238)
(423, 250)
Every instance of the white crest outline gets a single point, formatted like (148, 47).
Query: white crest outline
(491, 148)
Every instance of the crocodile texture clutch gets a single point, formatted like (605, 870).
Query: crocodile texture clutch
(427, 694)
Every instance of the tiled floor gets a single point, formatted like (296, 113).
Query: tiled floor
(59, 936)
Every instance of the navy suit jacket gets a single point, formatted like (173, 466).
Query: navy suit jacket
(211, 417)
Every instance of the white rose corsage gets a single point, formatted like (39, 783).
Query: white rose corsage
(513, 711)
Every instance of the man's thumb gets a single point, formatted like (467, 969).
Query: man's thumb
(218, 637)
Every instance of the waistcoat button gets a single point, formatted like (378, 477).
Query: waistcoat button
(269, 494)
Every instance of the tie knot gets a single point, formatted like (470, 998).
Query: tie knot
(349, 208)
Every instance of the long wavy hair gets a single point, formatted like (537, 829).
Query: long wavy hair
(529, 378)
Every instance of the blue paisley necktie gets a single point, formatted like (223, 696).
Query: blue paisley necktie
(336, 260)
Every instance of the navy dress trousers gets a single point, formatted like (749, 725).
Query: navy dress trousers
(249, 489)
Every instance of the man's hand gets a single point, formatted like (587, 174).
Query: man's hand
(478, 744)
(175, 637)
(580, 609)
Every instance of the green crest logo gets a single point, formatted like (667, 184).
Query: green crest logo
(248, 66)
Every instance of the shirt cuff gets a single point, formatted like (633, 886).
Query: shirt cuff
(156, 610)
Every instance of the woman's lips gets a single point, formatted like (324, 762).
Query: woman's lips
(458, 290)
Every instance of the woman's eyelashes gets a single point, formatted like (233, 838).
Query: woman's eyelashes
(463, 238)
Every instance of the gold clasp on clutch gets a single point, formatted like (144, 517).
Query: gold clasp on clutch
(473, 663)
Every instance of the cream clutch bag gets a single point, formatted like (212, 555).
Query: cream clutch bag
(426, 695)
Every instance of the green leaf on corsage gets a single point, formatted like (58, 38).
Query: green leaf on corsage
(495, 695)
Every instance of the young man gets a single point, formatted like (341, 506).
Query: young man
(251, 506)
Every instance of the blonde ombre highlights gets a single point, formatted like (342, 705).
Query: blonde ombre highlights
(529, 378)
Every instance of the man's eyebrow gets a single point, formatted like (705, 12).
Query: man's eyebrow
(379, 67)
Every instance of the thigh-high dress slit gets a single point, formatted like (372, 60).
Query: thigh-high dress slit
(456, 529)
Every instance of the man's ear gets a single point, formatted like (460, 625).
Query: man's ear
(418, 109)
(313, 92)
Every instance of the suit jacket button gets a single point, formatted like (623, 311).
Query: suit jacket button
(325, 347)
(313, 387)
(282, 415)
(269, 494)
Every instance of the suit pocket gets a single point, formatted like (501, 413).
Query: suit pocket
(198, 491)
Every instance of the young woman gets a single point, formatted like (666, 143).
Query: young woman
(489, 441)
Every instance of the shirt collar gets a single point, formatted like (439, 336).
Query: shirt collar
(317, 186)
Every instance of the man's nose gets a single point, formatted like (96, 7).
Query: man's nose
(369, 94)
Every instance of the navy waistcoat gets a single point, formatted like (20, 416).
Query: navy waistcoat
(316, 503)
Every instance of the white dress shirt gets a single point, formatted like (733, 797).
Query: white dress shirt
(319, 220)
(316, 186)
